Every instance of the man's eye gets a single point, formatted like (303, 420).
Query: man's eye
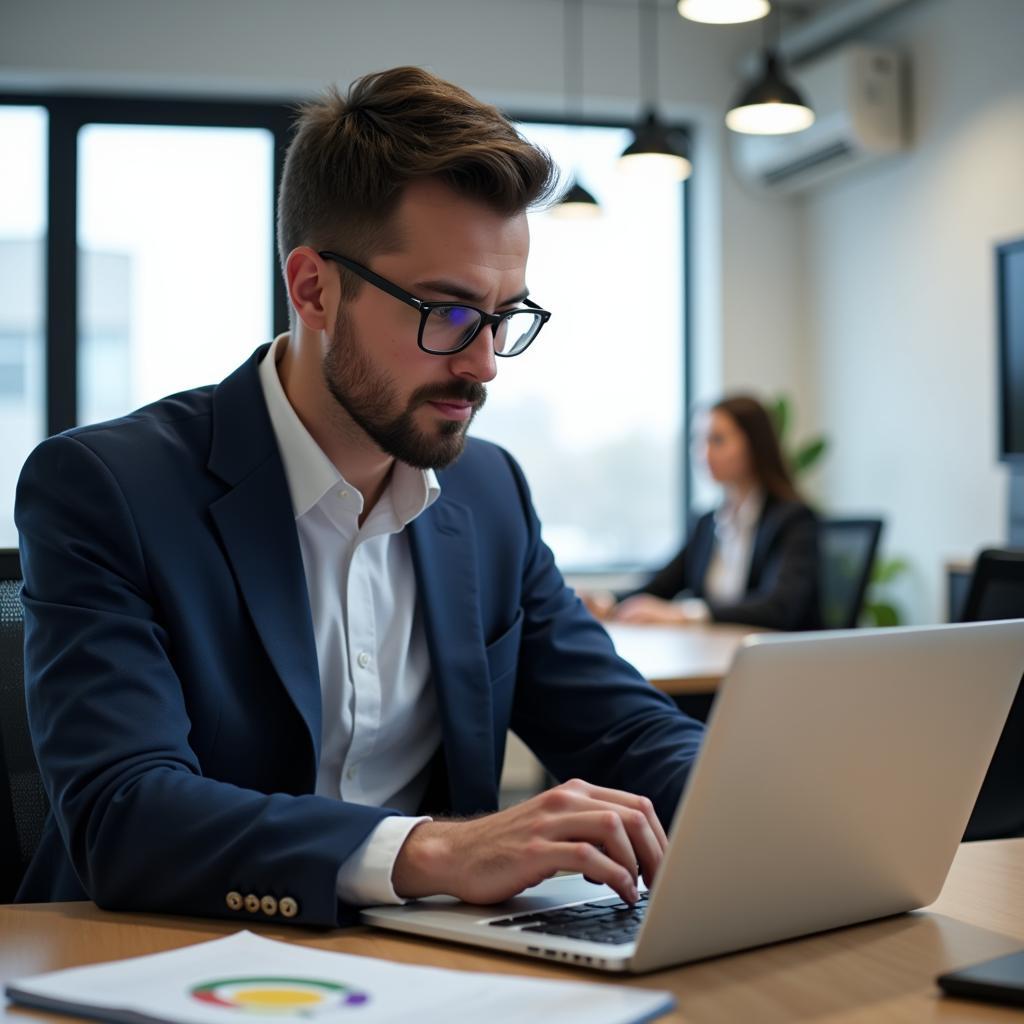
(457, 315)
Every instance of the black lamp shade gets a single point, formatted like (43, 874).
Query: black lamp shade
(576, 204)
(770, 92)
(771, 87)
(651, 136)
(654, 143)
(578, 194)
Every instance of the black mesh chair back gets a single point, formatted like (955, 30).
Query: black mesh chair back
(996, 591)
(23, 803)
(847, 549)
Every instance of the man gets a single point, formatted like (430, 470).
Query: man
(265, 641)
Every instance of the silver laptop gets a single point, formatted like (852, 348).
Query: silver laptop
(834, 785)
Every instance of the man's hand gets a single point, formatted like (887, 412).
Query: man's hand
(603, 833)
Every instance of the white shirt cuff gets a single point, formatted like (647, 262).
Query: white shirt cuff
(364, 880)
(695, 609)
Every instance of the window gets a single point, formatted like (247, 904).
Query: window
(159, 208)
(107, 206)
(22, 298)
(594, 410)
(143, 191)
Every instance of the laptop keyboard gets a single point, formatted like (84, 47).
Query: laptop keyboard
(609, 920)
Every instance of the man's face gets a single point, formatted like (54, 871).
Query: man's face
(413, 405)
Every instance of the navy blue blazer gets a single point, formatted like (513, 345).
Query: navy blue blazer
(783, 582)
(171, 671)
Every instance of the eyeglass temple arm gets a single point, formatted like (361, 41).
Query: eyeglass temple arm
(375, 279)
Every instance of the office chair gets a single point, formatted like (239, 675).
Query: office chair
(23, 803)
(996, 591)
(847, 549)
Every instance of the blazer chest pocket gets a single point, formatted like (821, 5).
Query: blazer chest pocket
(503, 653)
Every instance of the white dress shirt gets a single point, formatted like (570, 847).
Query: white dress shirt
(729, 568)
(379, 710)
(735, 527)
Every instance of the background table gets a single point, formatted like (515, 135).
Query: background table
(680, 659)
(868, 974)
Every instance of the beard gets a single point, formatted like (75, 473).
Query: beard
(370, 398)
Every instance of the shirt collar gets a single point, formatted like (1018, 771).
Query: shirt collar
(310, 474)
(743, 515)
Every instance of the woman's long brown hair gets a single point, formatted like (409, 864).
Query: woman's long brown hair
(767, 461)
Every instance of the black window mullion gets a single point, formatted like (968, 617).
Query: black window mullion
(687, 467)
(282, 128)
(62, 270)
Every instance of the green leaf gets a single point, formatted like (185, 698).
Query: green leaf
(779, 411)
(887, 569)
(807, 455)
(881, 613)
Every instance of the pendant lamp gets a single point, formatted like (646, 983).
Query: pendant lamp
(723, 12)
(656, 148)
(770, 105)
(577, 203)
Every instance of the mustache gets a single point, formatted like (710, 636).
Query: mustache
(457, 391)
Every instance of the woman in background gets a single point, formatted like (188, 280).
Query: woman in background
(754, 559)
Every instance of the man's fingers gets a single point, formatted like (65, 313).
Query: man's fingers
(603, 829)
(587, 859)
(624, 833)
(630, 800)
(645, 844)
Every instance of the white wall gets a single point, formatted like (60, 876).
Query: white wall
(899, 297)
(505, 51)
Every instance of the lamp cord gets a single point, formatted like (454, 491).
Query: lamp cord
(573, 32)
(773, 29)
(648, 36)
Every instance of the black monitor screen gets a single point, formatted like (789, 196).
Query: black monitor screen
(1010, 271)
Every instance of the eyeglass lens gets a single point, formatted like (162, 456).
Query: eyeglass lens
(447, 328)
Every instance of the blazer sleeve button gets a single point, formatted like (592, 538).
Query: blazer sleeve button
(268, 905)
(234, 900)
(252, 903)
(288, 907)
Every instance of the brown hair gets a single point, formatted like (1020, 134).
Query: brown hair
(767, 461)
(351, 157)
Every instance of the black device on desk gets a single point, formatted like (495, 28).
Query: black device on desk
(996, 981)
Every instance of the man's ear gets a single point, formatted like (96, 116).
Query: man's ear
(312, 287)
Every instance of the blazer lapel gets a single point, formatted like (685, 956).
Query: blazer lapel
(256, 523)
(767, 527)
(703, 545)
(443, 551)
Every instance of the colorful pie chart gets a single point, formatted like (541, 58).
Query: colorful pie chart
(296, 997)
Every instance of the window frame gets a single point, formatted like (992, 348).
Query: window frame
(68, 113)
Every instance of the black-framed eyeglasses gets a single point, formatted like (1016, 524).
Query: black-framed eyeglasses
(449, 327)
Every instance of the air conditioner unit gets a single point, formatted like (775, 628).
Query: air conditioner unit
(858, 100)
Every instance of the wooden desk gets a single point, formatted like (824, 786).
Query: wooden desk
(869, 974)
(679, 659)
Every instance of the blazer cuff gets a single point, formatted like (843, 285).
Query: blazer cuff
(364, 879)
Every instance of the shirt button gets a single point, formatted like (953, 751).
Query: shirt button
(363, 659)
(352, 771)
(342, 494)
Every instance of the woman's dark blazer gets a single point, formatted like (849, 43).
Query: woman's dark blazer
(782, 589)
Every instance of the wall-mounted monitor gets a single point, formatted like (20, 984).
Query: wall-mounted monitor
(1010, 313)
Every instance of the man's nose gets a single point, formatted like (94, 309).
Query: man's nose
(477, 359)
